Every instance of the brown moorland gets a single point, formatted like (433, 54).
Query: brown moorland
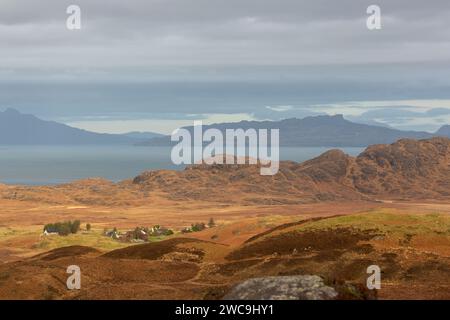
(412, 251)
(331, 216)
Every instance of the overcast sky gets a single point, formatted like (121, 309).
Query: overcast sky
(156, 64)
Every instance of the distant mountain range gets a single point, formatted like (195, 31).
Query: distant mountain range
(319, 131)
(24, 129)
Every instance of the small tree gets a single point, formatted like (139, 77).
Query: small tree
(168, 232)
(211, 223)
(64, 228)
(74, 226)
(88, 226)
(198, 227)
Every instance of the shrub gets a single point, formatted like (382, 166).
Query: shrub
(168, 232)
(198, 227)
(63, 228)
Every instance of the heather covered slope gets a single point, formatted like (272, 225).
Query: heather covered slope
(406, 169)
(294, 183)
(412, 251)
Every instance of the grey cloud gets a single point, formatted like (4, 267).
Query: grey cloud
(403, 118)
(213, 10)
(131, 116)
(212, 32)
(281, 112)
(162, 58)
(400, 113)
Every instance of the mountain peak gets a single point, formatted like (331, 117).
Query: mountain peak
(17, 128)
(444, 131)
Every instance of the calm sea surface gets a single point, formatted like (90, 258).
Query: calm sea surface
(40, 165)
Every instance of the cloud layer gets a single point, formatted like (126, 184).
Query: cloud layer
(149, 57)
(140, 34)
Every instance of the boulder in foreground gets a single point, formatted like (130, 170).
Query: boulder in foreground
(306, 287)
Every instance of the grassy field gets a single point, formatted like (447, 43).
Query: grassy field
(389, 221)
(93, 238)
(428, 233)
(24, 242)
(21, 230)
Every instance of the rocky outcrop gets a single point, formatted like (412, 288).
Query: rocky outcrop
(307, 287)
(406, 169)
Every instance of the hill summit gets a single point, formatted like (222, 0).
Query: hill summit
(407, 168)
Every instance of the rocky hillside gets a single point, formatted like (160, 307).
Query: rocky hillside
(406, 169)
